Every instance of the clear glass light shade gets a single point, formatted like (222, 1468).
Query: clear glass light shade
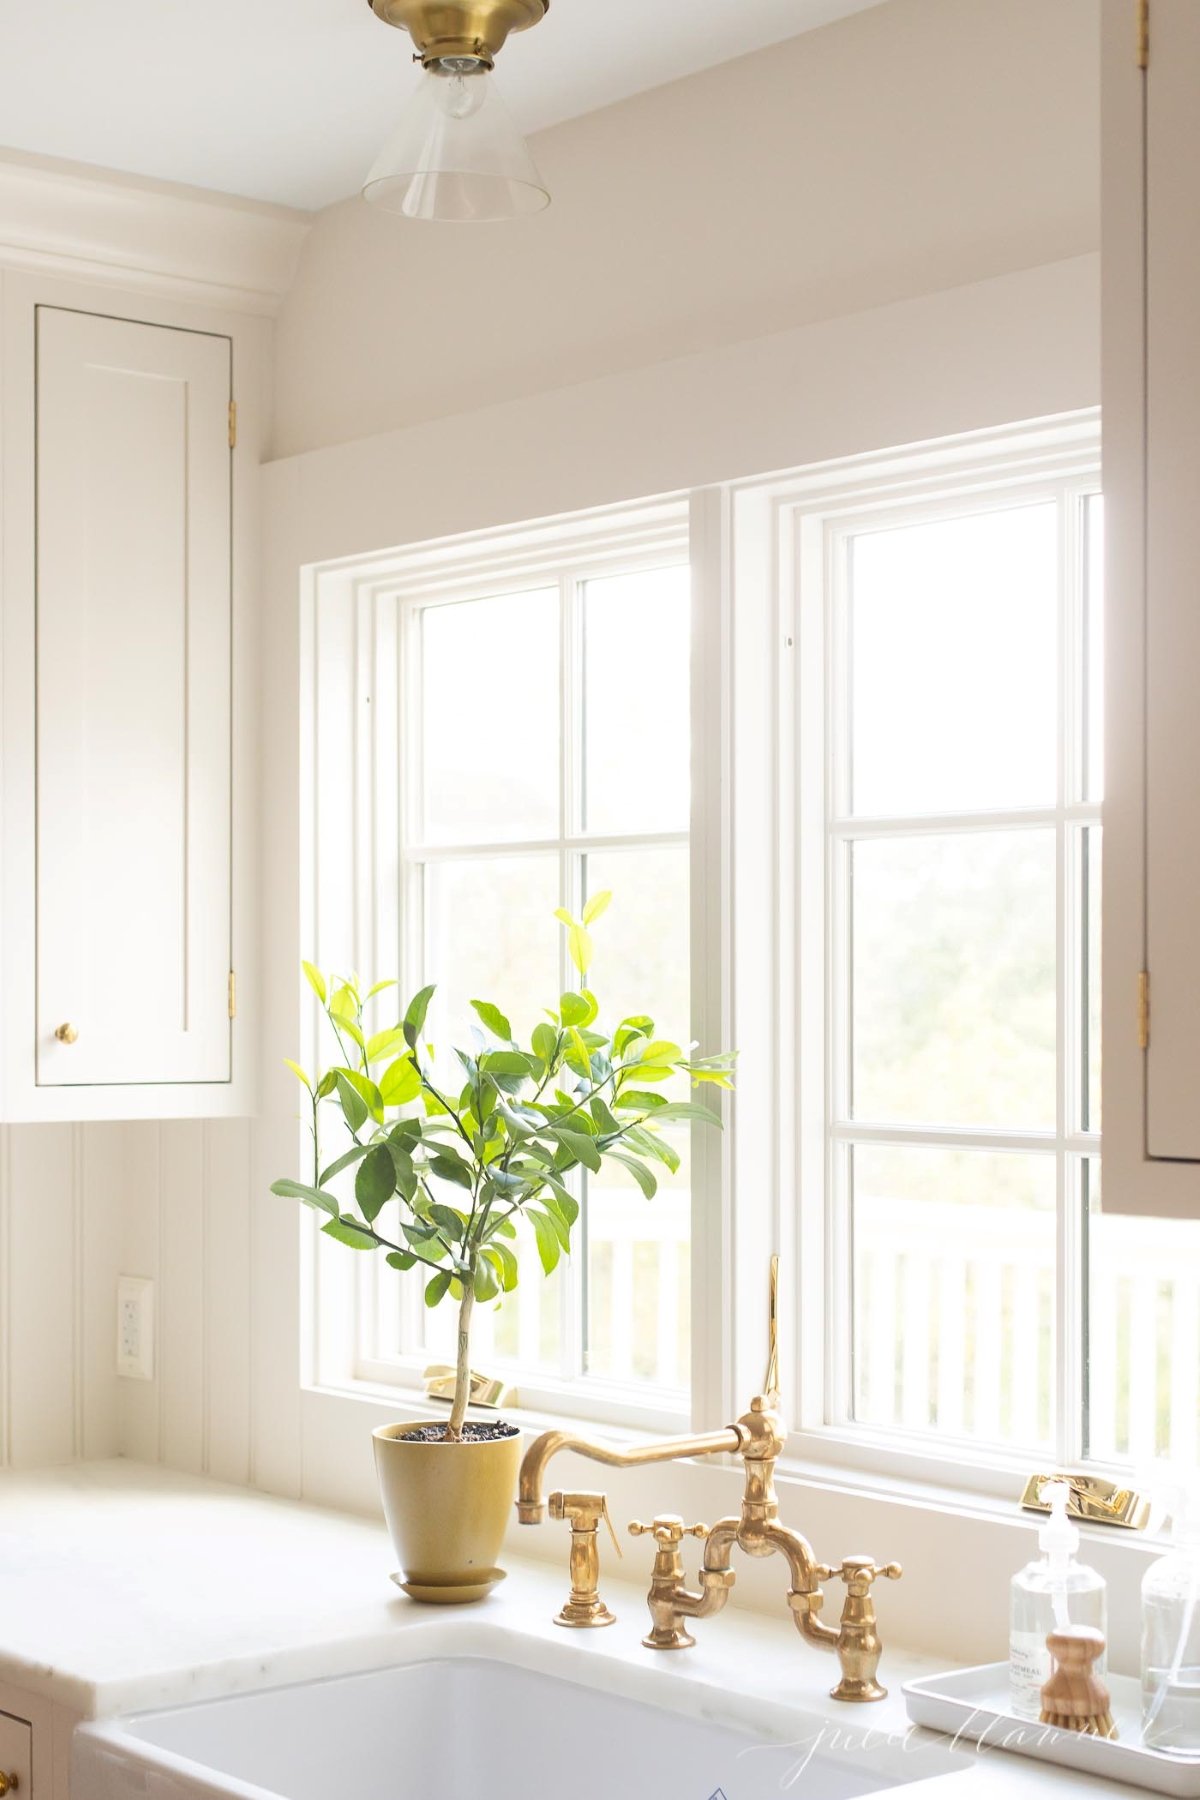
(456, 154)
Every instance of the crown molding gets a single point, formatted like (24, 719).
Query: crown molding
(180, 243)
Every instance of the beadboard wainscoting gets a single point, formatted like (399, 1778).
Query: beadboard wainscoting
(81, 1205)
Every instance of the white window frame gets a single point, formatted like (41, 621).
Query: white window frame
(788, 533)
(357, 665)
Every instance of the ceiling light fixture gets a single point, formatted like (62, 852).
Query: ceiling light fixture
(456, 153)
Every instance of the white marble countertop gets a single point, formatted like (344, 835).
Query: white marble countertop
(124, 1588)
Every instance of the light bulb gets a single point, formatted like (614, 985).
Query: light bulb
(459, 86)
(455, 153)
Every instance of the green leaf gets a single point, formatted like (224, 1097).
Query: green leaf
(298, 1072)
(375, 1182)
(400, 1259)
(634, 1100)
(327, 1084)
(562, 1205)
(400, 1082)
(450, 1223)
(437, 1287)
(641, 1174)
(378, 989)
(352, 1031)
(406, 1175)
(660, 1050)
(574, 1009)
(348, 1230)
(549, 1244)
(344, 1004)
(484, 1280)
(383, 1041)
(505, 1265)
(545, 1044)
(577, 1057)
(604, 1119)
(494, 1019)
(311, 1196)
(353, 1155)
(580, 1146)
(560, 912)
(360, 1098)
(316, 980)
(448, 1168)
(414, 1018)
(505, 1062)
(651, 1145)
(687, 1109)
(596, 905)
(579, 948)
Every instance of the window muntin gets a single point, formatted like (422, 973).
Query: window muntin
(508, 810)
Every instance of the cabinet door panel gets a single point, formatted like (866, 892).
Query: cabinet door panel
(1173, 583)
(133, 701)
(16, 1754)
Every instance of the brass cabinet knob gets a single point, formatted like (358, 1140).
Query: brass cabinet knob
(66, 1034)
(8, 1785)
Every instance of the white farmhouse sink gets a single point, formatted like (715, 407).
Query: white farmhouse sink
(481, 1728)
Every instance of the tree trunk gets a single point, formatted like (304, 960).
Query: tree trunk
(462, 1381)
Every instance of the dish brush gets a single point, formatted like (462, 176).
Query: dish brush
(1075, 1698)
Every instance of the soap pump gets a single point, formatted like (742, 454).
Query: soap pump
(1048, 1595)
(1171, 1635)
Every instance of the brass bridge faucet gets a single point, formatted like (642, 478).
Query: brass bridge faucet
(759, 1439)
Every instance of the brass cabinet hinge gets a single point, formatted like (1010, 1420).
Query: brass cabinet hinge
(233, 424)
(1143, 33)
(1143, 1011)
(232, 995)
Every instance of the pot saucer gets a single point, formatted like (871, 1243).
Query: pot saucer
(450, 1593)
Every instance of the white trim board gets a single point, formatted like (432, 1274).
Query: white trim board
(177, 243)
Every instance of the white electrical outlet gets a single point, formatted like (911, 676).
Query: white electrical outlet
(135, 1327)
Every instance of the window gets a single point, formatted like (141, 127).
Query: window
(974, 1291)
(877, 876)
(528, 745)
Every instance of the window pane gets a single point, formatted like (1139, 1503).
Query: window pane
(637, 1315)
(1143, 1335)
(954, 1292)
(954, 664)
(638, 1276)
(520, 1331)
(636, 704)
(642, 942)
(953, 993)
(490, 934)
(1093, 649)
(489, 762)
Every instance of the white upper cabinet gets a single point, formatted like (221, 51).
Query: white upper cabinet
(1151, 1126)
(133, 702)
(127, 704)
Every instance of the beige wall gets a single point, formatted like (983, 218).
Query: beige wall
(921, 145)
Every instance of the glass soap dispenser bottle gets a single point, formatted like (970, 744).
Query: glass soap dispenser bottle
(1048, 1594)
(1171, 1637)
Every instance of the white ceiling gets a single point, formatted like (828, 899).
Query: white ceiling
(288, 100)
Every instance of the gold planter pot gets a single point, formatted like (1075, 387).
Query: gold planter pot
(447, 1508)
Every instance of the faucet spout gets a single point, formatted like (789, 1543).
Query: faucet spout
(531, 1501)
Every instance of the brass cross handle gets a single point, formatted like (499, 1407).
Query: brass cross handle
(858, 1572)
(668, 1528)
(8, 1785)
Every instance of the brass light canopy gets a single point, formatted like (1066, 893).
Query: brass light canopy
(456, 154)
(477, 30)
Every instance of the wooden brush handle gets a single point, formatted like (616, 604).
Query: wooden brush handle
(1075, 1698)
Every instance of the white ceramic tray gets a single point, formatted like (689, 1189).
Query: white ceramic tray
(973, 1704)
